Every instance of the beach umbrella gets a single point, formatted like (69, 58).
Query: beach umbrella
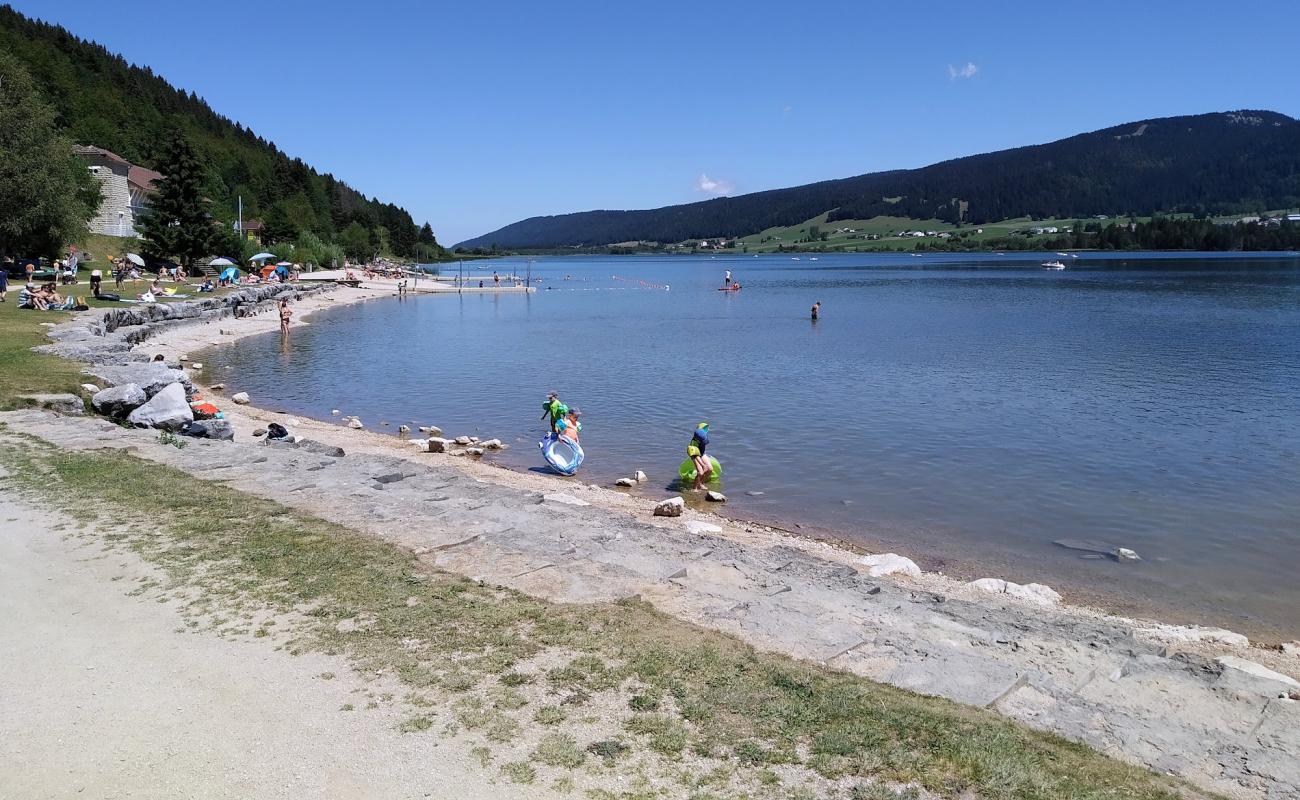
(135, 259)
(230, 274)
(262, 256)
(221, 261)
(283, 264)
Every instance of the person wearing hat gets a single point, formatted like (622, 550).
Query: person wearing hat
(695, 450)
(569, 427)
(554, 409)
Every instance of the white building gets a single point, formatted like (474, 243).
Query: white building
(125, 190)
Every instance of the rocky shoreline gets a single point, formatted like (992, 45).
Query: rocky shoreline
(1199, 703)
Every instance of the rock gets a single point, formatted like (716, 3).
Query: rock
(403, 428)
(564, 499)
(1267, 680)
(432, 430)
(625, 482)
(715, 497)
(152, 376)
(473, 440)
(423, 429)
(1032, 592)
(260, 432)
(210, 429)
(240, 398)
(167, 410)
(754, 494)
(89, 388)
(183, 357)
(217, 387)
(320, 448)
(672, 507)
(640, 477)
(58, 403)
(1291, 648)
(890, 564)
(697, 527)
(196, 365)
(355, 424)
(118, 401)
(336, 412)
(491, 444)
(1125, 554)
(463, 440)
(473, 451)
(1195, 633)
(436, 444)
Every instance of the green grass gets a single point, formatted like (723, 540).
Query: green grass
(21, 370)
(741, 708)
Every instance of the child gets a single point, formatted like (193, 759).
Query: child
(554, 409)
(569, 427)
(703, 464)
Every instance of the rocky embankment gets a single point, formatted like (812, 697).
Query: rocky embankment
(1199, 703)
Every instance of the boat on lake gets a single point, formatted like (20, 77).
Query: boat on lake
(1053, 265)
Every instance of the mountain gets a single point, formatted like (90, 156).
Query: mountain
(1217, 163)
(103, 101)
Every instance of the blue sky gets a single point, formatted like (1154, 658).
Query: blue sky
(476, 114)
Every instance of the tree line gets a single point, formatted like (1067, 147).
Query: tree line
(95, 97)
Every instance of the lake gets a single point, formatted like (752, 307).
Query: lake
(965, 410)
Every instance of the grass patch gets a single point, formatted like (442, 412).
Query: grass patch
(749, 708)
(559, 750)
(550, 715)
(608, 750)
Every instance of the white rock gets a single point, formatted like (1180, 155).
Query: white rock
(715, 497)
(890, 564)
(403, 428)
(672, 507)
(564, 499)
(435, 444)
(183, 357)
(463, 440)
(168, 410)
(216, 387)
(640, 477)
(1033, 592)
(625, 482)
(240, 398)
(1195, 633)
(196, 365)
(697, 527)
(90, 387)
(1291, 648)
(355, 424)
(336, 412)
(1125, 554)
(473, 451)
(1257, 670)
(491, 444)
(473, 440)
(433, 430)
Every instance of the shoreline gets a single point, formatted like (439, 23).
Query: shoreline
(1095, 678)
(847, 550)
(954, 564)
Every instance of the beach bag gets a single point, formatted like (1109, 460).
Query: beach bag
(276, 431)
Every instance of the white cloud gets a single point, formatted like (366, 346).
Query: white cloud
(717, 188)
(787, 111)
(967, 71)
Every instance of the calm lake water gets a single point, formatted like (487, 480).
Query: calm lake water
(967, 411)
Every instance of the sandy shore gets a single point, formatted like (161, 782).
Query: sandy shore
(1200, 703)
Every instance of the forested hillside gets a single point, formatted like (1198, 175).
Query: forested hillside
(102, 100)
(1205, 164)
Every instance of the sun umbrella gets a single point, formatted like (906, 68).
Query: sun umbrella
(221, 262)
(135, 259)
(283, 264)
(262, 256)
(229, 274)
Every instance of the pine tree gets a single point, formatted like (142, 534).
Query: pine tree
(48, 195)
(178, 226)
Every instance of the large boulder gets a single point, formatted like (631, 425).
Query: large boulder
(1032, 592)
(672, 507)
(151, 376)
(118, 401)
(240, 398)
(890, 564)
(210, 429)
(167, 409)
(436, 444)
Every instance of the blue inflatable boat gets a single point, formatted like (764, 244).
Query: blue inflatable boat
(562, 455)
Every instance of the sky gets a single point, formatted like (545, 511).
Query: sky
(473, 115)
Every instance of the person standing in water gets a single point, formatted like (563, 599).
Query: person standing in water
(695, 450)
(554, 409)
(285, 313)
(726, 280)
(816, 310)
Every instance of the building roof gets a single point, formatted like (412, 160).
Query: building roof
(88, 150)
(143, 177)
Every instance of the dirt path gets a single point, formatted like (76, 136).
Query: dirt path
(102, 697)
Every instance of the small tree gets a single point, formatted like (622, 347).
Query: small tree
(46, 193)
(355, 241)
(178, 226)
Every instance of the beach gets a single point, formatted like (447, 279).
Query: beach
(1075, 671)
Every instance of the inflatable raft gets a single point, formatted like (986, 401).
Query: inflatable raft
(562, 455)
(687, 470)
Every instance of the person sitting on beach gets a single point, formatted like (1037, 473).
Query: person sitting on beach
(29, 298)
(207, 286)
(569, 427)
(285, 313)
(554, 409)
(695, 450)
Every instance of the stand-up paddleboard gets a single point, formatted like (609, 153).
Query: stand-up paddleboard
(735, 288)
(561, 454)
(687, 470)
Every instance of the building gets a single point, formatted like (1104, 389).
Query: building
(125, 189)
